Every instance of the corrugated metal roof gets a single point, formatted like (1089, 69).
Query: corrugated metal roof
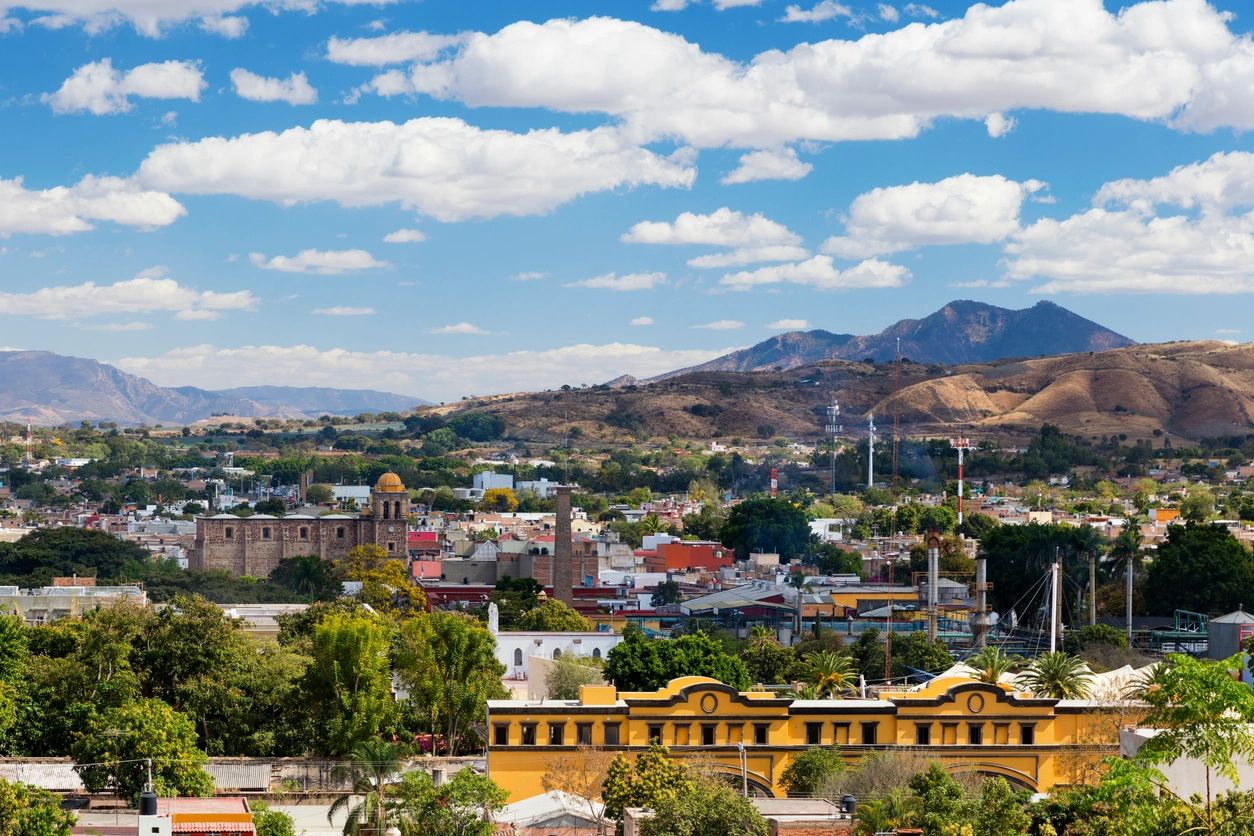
(1238, 617)
(239, 776)
(55, 777)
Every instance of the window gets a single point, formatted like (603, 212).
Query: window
(387, 511)
(265, 533)
(518, 657)
(339, 533)
(975, 734)
(557, 734)
(611, 734)
(230, 533)
(596, 653)
(868, 733)
(304, 532)
(759, 734)
(398, 513)
(529, 734)
(583, 734)
(814, 734)
(391, 547)
(1027, 734)
(500, 734)
(557, 653)
(655, 733)
(923, 734)
(707, 734)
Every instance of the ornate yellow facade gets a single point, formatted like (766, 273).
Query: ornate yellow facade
(966, 725)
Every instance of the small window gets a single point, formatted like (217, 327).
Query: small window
(557, 653)
(759, 734)
(391, 547)
(265, 533)
(655, 733)
(304, 532)
(230, 533)
(869, 733)
(707, 735)
(557, 734)
(518, 657)
(583, 734)
(529, 734)
(975, 734)
(814, 734)
(596, 653)
(1027, 735)
(611, 734)
(339, 533)
(923, 734)
(500, 734)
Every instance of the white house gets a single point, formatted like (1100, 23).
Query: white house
(514, 649)
(487, 480)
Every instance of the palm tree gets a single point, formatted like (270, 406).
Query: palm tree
(1059, 676)
(832, 673)
(760, 634)
(990, 664)
(892, 810)
(369, 767)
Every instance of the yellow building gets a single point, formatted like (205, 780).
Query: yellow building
(966, 725)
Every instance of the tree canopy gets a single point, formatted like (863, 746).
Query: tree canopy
(767, 525)
(643, 664)
(1201, 568)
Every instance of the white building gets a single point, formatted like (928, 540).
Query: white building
(542, 488)
(514, 649)
(487, 480)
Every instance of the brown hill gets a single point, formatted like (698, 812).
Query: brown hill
(1187, 390)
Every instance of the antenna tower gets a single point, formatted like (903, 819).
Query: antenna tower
(870, 451)
(833, 429)
(961, 445)
(896, 421)
(28, 457)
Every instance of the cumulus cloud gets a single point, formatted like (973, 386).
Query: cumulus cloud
(344, 310)
(819, 12)
(888, 13)
(393, 48)
(921, 10)
(405, 236)
(149, 292)
(722, 325)
(320, 262)
(433, 376)
(441, 167)
(780, 164)
(459, 328)
(228, 26)
(1175, 62)
(753, 238)
(998, 124)
(957, 210)
(62, 210)
(295, 89)
(100, 89)
(789, 325)
(749, 255)
(820, 272)
(642, 321)
(630, 281)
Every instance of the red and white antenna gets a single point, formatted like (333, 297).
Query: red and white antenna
(961, 445)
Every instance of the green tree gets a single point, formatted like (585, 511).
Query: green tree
(991, 664)
(1059, 676)
(649, 780)
(30, 811)
(554, 616)
(569, 673)
(813, 772)
(462, 806)
(499, 499)
(767, 525)
(1020, 555)
(977, 526)
(448, 663)
(349, 685)
(385, 585)
(831, 673)
(768, 662)
(833, 560)
(915, 650)
(1190, 555)
(667, 592)
(307, 575)
(943, 804)
(271, 822)
(643, 664)
(1000, 810)
(273, 506)
(704, 808)
(370, 766)
(1198, 505)
(319, 495)
(706, 524)
(113, 751)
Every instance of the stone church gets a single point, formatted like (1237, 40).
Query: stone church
(255, 545)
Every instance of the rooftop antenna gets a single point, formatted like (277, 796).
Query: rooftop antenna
(870, 451)
(896, 422)
(833, 429)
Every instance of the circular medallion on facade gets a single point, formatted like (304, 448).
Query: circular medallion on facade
(709, 703)
(975, 703)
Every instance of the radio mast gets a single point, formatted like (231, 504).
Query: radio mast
(870, 451)
(833, 429)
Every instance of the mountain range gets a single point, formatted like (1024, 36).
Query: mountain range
(961, 332)
(53, 389)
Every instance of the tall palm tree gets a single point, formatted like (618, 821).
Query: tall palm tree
(991, 663)
(1059, 676)
(892, 810)
(831, 673)
(370, 766)
(760, 634)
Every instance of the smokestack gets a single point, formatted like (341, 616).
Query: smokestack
(563, 581)
(933, 574)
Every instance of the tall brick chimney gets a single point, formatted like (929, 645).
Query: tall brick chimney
(563, 581)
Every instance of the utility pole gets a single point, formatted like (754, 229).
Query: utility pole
(933, 574)
(1055, 611)
(1092, 589)
(1128, 602)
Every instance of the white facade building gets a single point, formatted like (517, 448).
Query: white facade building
(487, 480)
(514, 649)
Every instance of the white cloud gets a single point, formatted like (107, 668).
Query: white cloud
(642, 321)
(228, 26)
(888, 13)
(780, 164)
(405, 236)
(149, 292)
(921, 10)
(120, 327)
(1174, 62)
(723, 5)
(393, 48)
(344, 310)
(669, 5)
(998, 124)
(436, 376)
(819, 12)
(62, 210)
(749, 255)
(321, 262)
(442, 167)
(459, 328)
(722, 325)
(630, 281)
(789, 325)
(528, 276)
(821, 273)
(962, 209)
(1218, 184)
(100, 89)
(723, 227)
(295, 89)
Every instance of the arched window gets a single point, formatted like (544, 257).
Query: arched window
(397, 513)
(596, 653)
(387, 508)
(557, 653)
(518, 657)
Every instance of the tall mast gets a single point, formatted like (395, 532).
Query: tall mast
(833, 429)
(896, 424)
(870, 451)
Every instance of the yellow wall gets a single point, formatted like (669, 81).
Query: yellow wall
(688, 709)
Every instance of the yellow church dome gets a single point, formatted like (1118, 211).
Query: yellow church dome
(389, 483)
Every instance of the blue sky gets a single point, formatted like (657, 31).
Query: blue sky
(451, 198)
